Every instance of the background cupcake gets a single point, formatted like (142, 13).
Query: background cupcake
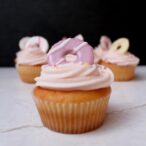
(72, 94)
(31, 57)
(120, 61)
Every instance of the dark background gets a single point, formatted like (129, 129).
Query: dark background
(54, 19)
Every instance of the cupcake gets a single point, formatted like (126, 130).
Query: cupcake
(31, 57)
(72, 92)
(119, 60)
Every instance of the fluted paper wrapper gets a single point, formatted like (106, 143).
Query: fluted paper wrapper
(121, 73)
(125, 74)
(72, 117)
(28, 73)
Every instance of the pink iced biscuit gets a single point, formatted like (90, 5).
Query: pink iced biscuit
(81, 49)
(105, 43)
(37, 42)
(23, 42)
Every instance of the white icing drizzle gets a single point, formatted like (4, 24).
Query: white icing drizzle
(60, 61)
(59, 46)
(77, 48)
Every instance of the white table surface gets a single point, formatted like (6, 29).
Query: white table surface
(20, 124)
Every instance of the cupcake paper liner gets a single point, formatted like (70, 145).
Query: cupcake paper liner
(121, 73)
(28, 73)
(72, 117)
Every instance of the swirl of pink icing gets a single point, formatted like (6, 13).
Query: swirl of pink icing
(31, 57)
(32, 52)
(114, 56)
(75, 76)
(81, 74)
(82, 50)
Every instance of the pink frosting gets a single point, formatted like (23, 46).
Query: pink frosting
(75, 76)
(69, 74)
(30, 56)
(33, 51)
(115, 57)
